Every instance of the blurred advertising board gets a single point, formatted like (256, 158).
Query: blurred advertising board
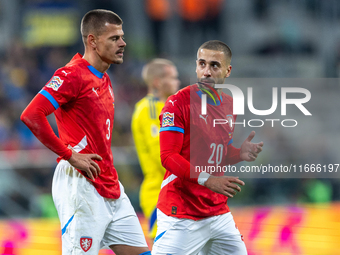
(50, 25)
(304, 229)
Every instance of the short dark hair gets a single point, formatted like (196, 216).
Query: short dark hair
(218, 46)
(94, 21)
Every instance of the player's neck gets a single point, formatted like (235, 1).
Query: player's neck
(219, 92)
(162, 98)
(95, 61)
(158, 95)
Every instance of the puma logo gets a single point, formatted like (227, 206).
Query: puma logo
(95, 91)
(205, 119)
(170, 101)
(66, 73)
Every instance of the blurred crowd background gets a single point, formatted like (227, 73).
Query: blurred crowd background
(269, 39)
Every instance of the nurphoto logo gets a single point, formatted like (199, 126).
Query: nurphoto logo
(238, 104)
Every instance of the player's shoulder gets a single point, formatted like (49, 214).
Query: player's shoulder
(63, 76)
(69, 77)
(77, 61)
(184, 92)
(66, 72)
(148, 104)
(76, 66)
(71, 70)
(178, 103)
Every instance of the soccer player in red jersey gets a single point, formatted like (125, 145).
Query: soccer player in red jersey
(193, 216)
(93, 209)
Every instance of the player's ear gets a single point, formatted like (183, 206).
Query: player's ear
(91, 41)
(227, 74)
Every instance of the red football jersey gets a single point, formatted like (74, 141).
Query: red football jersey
(204, 145)
(84, 103)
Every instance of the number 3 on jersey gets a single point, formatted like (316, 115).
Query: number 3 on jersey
(217, 153)
(108, 129)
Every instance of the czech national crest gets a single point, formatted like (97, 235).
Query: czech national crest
(230, 119)
(85, 243)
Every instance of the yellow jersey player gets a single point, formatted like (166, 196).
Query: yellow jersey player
(161, 77)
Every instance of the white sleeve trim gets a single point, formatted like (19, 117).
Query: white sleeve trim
(202, 178)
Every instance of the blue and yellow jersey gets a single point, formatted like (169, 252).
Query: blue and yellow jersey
(145, 130)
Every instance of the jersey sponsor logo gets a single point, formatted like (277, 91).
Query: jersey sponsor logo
(205, 119)
(95, 91)
(168, 119)
(55, 83)
(66, 73)
(170, 101)
(85, 243)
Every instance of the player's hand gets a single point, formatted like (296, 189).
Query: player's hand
(224, 185)
(84, 162)
(249, 150)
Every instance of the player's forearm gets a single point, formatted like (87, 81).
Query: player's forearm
(179, 166)
(233, 156)
(171, 145)
(34, 116)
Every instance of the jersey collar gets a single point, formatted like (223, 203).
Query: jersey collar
(95, 71)
(153, 96)
(91, 68)
(209, 100)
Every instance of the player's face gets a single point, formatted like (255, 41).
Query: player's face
(110, 44)
(212, 67)
(169, 83)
